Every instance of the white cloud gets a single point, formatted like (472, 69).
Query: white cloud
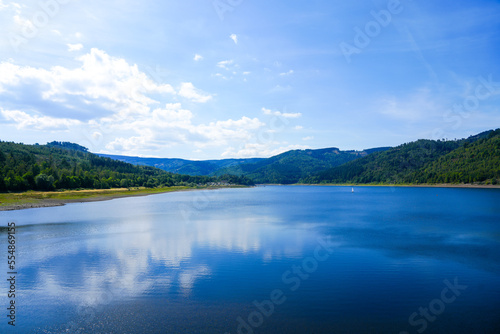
(117, 108)
(144, 141)
(172, 125)
(280, 114)
(258, 150)
(198, 57)
(24, 23)
(74, 47)
(188, 277)
(225, 63)
(298, 127)
(24, 120)
(234, 37)
(287, 73)
(102, 85)
(308, 138)
(220, 75)
(189, 91)
(174, 250)
(14, 7)
(280, 89)
(225, 132)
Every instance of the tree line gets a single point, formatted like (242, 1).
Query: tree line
(69, 166)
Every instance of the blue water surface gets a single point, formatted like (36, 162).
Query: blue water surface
(274, 259)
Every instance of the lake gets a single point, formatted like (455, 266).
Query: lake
(274, 259)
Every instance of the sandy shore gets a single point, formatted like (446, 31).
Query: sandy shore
(93, 197)
(23, 206)
(47, 203)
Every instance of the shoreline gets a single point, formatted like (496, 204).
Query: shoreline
(443, 185)
(36, 200)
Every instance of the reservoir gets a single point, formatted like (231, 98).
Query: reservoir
(273, 259)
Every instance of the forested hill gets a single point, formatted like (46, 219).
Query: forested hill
(291, 166)
(182, 166)
(60, 165)
(477, 161)
(472, 160)
(69, 166)
(68, 146)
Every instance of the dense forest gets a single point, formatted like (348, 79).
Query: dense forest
(62, 165)
(183, 166)
(291, 166)
(472, 160)
(476, 162)
(69, 166)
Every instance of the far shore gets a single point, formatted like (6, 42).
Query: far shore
(38, 199)
(443, 185)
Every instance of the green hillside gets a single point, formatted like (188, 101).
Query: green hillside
(475, 159)
(70, 166)
(182, 166)
(291, 166)
(471, 163)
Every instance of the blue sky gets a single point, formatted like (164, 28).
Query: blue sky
(212, 79)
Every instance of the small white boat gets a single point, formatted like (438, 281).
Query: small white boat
(352, 189)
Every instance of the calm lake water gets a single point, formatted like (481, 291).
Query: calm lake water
(288, 259)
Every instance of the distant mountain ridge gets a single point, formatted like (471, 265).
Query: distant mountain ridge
(285, 168)
(474, 159)
(182, 166)
(292, 166)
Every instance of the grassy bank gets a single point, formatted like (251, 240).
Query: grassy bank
(37, 199)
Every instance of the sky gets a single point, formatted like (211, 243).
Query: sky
(217, 79)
